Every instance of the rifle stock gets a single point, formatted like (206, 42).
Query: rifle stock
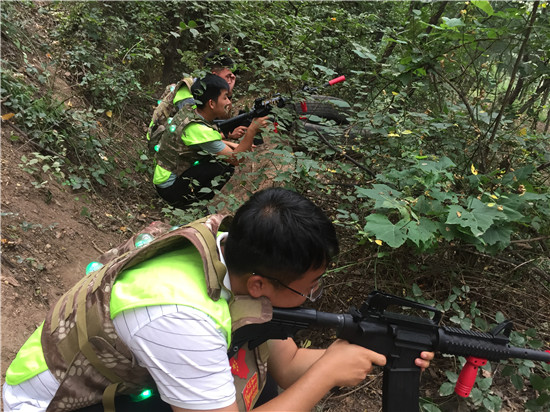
(399, 337)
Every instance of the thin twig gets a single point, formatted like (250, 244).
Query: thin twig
(97, 248)
(352, 160)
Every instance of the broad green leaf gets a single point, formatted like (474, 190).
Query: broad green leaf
(421, 231)
(452, 22)
(485, 6)
(384, 196)
(499, 234)
(380, 226)
(340, 103)
(478, 220)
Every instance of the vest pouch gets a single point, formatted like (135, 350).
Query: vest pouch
(84, 382)
(249, 367)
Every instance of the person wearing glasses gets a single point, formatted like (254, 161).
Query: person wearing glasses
(275, 252)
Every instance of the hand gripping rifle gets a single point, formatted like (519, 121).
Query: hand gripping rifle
(263, 107)
(399, 337)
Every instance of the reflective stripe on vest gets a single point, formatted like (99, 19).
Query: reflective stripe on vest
(182, 93)
(29, 361)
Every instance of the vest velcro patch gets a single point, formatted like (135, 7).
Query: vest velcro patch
(238, 364)
(250, 391)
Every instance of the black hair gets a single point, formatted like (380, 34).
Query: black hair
(208, 88)
(279, 233)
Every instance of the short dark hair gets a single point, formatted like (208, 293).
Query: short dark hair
(279, 233)
(208, 88)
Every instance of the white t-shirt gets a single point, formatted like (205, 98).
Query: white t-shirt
(180, 346)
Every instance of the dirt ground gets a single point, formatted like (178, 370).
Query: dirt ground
(49, 236)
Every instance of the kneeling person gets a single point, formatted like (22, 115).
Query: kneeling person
(191, 151)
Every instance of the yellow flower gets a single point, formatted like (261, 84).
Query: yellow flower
(378, 242)
(391, 134)
(474, 170)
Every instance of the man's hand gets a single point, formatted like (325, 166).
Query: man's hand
(237, 133)
(424, 361)
(258, 123)
(347, 364)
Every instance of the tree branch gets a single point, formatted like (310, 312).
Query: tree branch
(512, 79)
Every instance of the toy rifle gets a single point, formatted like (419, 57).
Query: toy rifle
(263, 107)
(399, 337)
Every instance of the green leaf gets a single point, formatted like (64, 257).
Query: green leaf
(384, 196)
(417, 292)
(484, 384)
(340, 103)
(451, 376)
(485, 6)
(430, 407)
(495, 235)
(466, 323)
(421, 231)
(380, 226)
(452, 22)
(499, 317)
(446, 389)
(488, 404)
(539, 383)
(365, 55)
(517, 381)
(478, 220)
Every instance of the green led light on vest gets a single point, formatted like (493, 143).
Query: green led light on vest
(93, 266)
(173, 128)
(196, 163)
(170, 120)
(159, 101)
(157, 146)
(143, 240)
(145, 394)
(172, 88)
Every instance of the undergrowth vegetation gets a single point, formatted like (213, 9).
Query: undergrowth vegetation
(444, 151)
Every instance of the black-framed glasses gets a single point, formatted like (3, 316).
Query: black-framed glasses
(314, 294)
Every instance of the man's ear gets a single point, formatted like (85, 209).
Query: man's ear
(257, 286)
(211, 104)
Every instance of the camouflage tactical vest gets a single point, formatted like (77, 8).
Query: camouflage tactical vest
(164, 112)
(92, 364)
(173, 155)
